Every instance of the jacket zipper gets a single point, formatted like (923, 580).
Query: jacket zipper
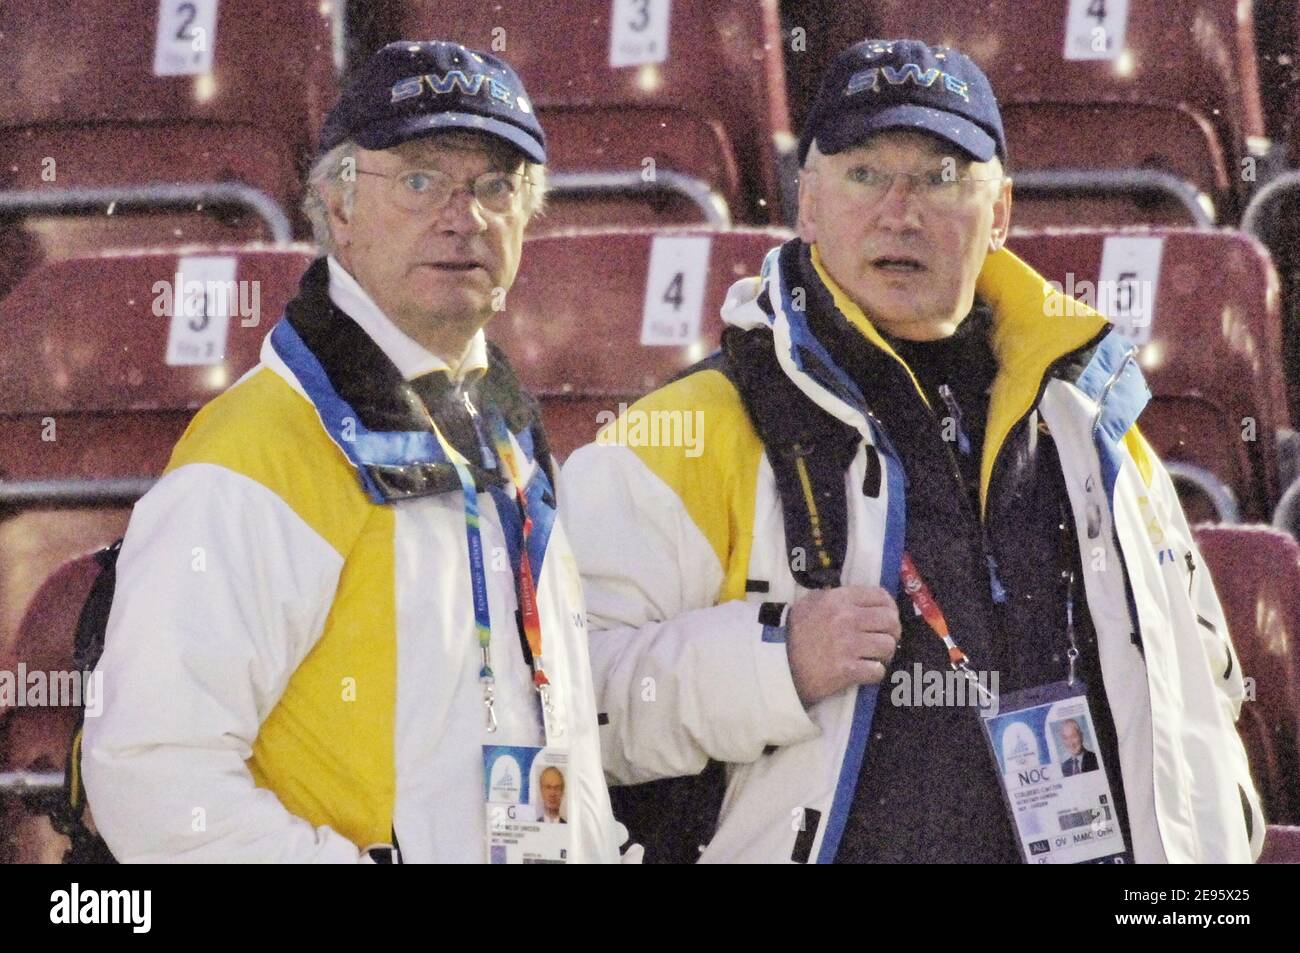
(997, 590)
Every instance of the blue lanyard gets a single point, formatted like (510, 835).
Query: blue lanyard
(525, 590)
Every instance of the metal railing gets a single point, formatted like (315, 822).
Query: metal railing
(1286, 516)
(190, 195)
(1109, 182)
(710, 203)
(30, 783)
(74, 492)
(1253, 219)
(1202, 480)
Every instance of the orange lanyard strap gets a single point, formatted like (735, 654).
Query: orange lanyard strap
(926, 605)
(526, 591)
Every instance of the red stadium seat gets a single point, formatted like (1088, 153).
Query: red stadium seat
(1256, 572)
(90, 406)
(34, 740)
(1178, 94)
(1274, 212)
(1281, 845)
(87, 108)
(1213, 361)
(712, 108)
(582, 305)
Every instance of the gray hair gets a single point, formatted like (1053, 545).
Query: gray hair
(337, 169)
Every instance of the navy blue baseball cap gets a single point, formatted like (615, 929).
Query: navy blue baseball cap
(877, 85)
(410, 89)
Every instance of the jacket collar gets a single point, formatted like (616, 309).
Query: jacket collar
(370, 411)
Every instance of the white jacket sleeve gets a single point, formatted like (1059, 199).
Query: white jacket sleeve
(680, 678)
(222, 589)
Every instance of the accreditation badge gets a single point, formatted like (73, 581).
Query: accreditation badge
(526, 804)
(1053, 779)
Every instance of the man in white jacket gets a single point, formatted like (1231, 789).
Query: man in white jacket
(896, 426)
(346, 621)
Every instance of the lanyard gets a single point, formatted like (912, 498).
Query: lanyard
(525, 590)
(926, 605)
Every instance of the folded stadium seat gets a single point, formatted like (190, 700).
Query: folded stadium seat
(696, 86)
(1274, 212)
(1256, 572)
(210, 105)
(1212, 358)
(97, 384)
(1173, 89)
(597, 319)
(34, 738)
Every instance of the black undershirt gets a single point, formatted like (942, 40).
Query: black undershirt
(927, 790)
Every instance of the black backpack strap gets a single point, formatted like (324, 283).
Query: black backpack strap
(673, 818)
(67, 810)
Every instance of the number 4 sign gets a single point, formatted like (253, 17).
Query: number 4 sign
(674, 291)
(1095, 29)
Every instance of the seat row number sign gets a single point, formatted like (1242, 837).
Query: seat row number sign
(201, 306)
(187, 34)
(638, 32)
(1095, 29)
(1127, 284)
(674, 291)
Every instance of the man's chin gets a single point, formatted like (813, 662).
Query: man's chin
(463, 305)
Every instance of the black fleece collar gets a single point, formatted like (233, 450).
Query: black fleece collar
(368, 381)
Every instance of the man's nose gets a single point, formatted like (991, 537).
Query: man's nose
(461, 214)
(899, 207)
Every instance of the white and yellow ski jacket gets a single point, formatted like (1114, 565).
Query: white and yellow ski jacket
(291, 671)
(667, 536)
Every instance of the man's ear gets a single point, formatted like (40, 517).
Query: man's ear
(806, 221)
(1001, 217)
(339, 218)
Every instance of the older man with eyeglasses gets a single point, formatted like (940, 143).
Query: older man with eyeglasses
(347, 623)
(923, 529)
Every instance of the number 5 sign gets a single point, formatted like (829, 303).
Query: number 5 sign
(1128, 282)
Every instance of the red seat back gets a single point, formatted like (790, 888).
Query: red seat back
(1213, 360)
(1256, 572)
(87, 393)
(581, 306)
(713, 108)
(1281, 845)
(35, 738)
(87, 108)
